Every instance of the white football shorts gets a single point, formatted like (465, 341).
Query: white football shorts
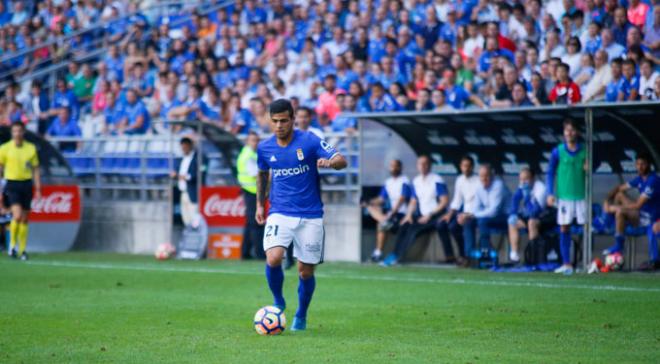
(307, 236)
(567, 211)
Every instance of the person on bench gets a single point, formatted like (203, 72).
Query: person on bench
(526, 206)
(394, 195)
(492, 203)
(643, 211)
(428, 200)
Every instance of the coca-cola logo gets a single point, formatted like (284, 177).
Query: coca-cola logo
(55, 203)
(215, 205)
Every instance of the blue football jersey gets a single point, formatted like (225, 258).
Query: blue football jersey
(651, 189)
(295, 186)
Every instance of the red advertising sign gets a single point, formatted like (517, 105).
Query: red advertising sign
(223, 206)
(57, 204)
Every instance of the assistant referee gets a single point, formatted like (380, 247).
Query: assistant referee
(20, 166)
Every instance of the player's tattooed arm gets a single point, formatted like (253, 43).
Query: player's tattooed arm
(262, 185)
(337, 162)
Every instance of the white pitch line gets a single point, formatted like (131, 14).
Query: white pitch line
(384, 278)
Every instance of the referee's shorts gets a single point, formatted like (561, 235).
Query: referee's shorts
(19, 192)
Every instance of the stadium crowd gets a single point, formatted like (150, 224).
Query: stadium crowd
(332, 57)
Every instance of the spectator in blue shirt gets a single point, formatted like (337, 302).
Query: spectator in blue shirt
(64, 126)
(450, 28)
(241, 119)
(621, 26)
(115, 63)
(342, 122)
(612, 89)
(135, 118)
(456, 96)
(191, 106)
(64, 97)
(112, 114)
(381, 101)
(430, 28)
(629, 88)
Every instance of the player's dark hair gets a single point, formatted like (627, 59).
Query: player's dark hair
(281, 105)
(645, 156)
(468, 158)
(570, 122)
(489, 167)
(426, 156)
(252, 133)
(528, 170)
(186, 140)
(398, 162)
(629, 62)
(19, 124)
(309, 111)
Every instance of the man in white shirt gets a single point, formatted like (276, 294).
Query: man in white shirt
(647, 79)
(463, 202)
(428, 200)
(613, 49)
(186, 176)
(595, 88)
(492, 201)
(390, 207)
(304, 120)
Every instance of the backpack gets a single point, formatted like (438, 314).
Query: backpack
(541, 251)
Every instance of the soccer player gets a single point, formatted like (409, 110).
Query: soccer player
(641, 212)
(569, 163)
(396, 194)
(292, 159)
(526, 206)
(20, 166)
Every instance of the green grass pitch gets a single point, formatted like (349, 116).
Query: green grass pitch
(108, 308)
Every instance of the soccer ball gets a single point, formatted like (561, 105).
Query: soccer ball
(269, 320)
(165, 251)
(614, 261)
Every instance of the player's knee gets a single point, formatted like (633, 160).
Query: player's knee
(306, 274)
(305, 271)
(273, 260)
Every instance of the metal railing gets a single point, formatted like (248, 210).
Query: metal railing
(139, 166)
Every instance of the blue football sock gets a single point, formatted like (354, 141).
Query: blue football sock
(305, 292)
(619, 240)
(653, 243)
(565, 247)
(275, 277)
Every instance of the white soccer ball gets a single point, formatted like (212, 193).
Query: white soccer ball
(269, 320)
(165, 251)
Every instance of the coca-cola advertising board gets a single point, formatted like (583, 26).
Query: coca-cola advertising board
(223, 206)
(57, 204)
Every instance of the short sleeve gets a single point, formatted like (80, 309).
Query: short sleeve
(440, 189)
(406, 191)
(262, 163)
(3, 156)
(323, 148)
(383, 193)
(634, 183)
(34, 161)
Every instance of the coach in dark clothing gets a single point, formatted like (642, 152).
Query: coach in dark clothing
(185, 173)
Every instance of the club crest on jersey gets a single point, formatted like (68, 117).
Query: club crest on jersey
(300, 154)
